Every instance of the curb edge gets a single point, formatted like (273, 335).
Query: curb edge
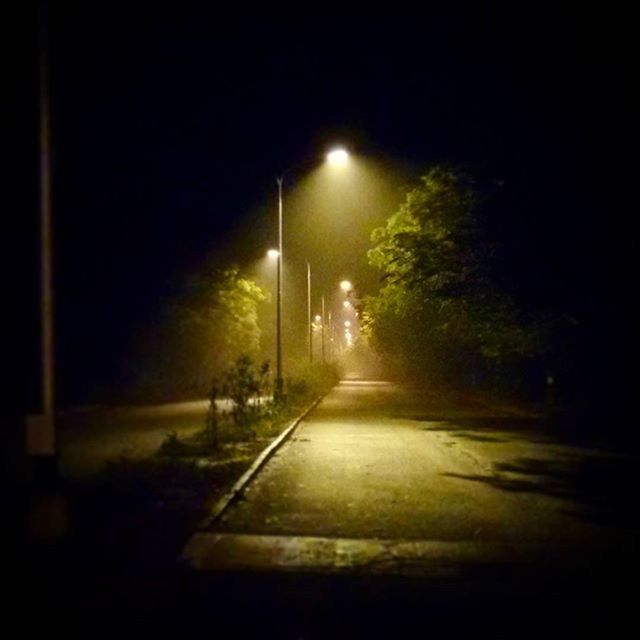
(241, 484)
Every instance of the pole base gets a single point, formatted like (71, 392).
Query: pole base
(40, 434)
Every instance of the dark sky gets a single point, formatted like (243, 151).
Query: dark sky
(171, 121)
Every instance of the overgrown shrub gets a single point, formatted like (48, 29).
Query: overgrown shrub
(312, 381)
(246, 385)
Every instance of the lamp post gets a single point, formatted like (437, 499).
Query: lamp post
(323, 323)
(40, 428)
(279, 384)
(274, 254)
(346, 286)
(338, 158)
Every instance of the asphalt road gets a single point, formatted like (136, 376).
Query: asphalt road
(438, 501)
(91, 436)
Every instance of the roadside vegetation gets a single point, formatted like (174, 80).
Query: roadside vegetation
(138, 512)
(448, 315)
(210, 344)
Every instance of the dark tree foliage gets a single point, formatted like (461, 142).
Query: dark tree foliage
(439, 314)
(203, 334)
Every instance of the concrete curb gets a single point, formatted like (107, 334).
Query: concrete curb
(240, 485)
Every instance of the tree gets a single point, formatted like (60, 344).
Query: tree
(220, 312)
(438, 308)
(203, 333)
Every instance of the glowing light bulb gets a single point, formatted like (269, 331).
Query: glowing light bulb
(338, 157)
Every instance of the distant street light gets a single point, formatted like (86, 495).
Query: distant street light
(273, 254)
(346, 286)
(346, 304)
(347, 323)
(330, 326)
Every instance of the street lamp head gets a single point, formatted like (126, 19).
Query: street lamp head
(347, 323)
(318, 318)
(273, 254)
(345, 285)
(346, 304)
(337, 157)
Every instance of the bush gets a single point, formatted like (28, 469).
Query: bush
(312, 380)
(246, 385)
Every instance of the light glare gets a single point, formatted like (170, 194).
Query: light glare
(338, 157)
(273, 253)
(345, 285)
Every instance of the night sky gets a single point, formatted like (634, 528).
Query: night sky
(170, 123)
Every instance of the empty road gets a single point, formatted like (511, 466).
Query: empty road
(386, 483)
(92, 436)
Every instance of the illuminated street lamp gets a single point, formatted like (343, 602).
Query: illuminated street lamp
(337, 158)
(273, 254)
(346, 286)
(346, 304)
(318, 319)
(330, 327)
(347, 323)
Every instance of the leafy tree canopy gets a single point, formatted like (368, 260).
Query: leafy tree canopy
(223, 308)
(202, 333)
(437, 297)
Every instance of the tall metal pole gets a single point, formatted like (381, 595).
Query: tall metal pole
(323, 323)
(279, 385)
(309, 313)
(330, 337)
(41, 434)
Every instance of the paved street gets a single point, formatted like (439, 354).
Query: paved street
(374, 462)
(91, 436)
(380, 483)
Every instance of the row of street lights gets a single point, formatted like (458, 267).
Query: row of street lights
(347, 288)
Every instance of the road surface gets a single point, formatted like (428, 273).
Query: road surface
(383, 482)
(89, 437)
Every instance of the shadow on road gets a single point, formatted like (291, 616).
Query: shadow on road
(498, 429)
(602, 485)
